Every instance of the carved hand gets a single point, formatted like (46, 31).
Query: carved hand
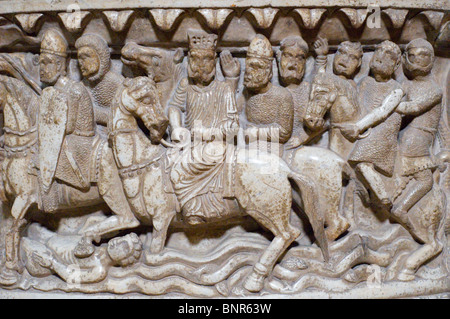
(349, 130)
(180, 135)
(293, 142)
(44, 262)
(231, 67)
(321, 47)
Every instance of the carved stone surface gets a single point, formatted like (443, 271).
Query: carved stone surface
(224, 149)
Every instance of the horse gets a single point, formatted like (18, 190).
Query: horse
(264, 196)
(164, 66)
(19, 104)
(335, 96)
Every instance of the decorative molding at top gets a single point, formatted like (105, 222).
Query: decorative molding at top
(28, 6)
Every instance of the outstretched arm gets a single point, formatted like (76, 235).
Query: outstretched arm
(381, 113)
(321, 49)
(353, 130)
(73, 274)
(422, 104)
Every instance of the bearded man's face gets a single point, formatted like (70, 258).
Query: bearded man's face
(202, 66)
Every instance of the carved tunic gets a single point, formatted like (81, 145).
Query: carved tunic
(419, 134)
(380, 146)
(212, 105)
(198, 176)
(80, 138)
(300, 95)
(272, 108)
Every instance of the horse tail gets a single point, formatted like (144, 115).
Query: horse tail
(310, 198)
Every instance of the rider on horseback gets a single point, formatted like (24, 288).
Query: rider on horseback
(200, 184)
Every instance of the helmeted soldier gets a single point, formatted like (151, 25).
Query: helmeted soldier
(71, 153)
(269, 108)
(67, 126)
(423, 107)
(94, 59)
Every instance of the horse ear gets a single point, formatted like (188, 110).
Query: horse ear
(178, 56)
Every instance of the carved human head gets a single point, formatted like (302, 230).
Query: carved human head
(418, 58)
(258, 64)
(348, 59)
(94, 56)
(201, 57)
(292, 59)
(125, 251)
(386, 60)
(53, 57)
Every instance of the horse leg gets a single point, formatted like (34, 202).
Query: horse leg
(161, 224)
(421, 255)
(12, 267)
(111, 190)
(285, 234)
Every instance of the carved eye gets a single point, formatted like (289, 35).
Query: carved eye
(147, 100)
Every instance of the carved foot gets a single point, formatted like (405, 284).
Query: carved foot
(254, 282)
(8, 277)
(84, 249)
(406, 275)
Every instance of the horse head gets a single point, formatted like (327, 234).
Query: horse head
(328, 91)
(140, 97)
(322, 98)
(161, 64)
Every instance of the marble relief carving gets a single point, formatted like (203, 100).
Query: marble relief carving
(300, 152)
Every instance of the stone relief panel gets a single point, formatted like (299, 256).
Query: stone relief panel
(225, 151)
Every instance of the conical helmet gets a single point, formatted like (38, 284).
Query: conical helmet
(260, 47)
(54, 43)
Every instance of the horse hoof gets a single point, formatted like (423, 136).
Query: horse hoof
(254, 283)
(8, 277)
(84, 250)
(406, 275)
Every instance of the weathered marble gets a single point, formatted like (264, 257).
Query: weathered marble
(282, 149)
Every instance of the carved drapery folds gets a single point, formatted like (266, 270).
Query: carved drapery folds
(224, 150)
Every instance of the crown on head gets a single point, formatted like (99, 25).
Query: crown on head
(202, 40)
